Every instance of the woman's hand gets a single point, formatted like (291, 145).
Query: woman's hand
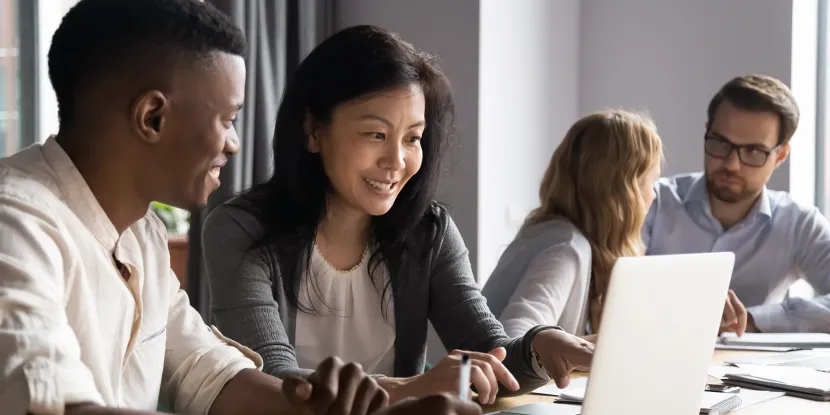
(486, 372)
(590, 338)
(561, 353)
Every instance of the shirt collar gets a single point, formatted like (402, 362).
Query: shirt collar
(78, 196)
(698, 193)
(764, 207)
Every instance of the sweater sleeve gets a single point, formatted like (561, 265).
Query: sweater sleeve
(459, 313)
(242, 303)
(544, 291)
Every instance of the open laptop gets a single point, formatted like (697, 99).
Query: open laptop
(655, 344)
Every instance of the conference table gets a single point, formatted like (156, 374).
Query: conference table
(777, 406)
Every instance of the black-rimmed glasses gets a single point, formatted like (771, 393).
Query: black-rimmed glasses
(751, 155)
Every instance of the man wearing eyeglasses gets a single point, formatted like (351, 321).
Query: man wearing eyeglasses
(727, 207)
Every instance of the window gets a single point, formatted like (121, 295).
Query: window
(822, 108)
(9, 78)
(27, 103)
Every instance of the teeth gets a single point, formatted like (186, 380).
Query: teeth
(378, 185)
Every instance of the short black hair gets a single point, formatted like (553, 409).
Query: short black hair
(101, 38)
(756, 92)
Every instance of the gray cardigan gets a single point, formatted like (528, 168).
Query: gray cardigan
(249, 309)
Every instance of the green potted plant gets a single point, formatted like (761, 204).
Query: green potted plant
(177, 222)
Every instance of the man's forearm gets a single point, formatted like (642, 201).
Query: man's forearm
(251, 392)
(92, 409)
(794, 315)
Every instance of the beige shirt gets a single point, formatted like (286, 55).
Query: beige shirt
(71, 328)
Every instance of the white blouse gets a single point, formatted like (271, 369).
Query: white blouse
(346, 320)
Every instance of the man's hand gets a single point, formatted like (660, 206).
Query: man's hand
(734, 315)
(433, 405)
(336, 388)
(561, 353)
(750, 324)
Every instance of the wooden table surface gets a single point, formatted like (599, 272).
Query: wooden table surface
(785, 405)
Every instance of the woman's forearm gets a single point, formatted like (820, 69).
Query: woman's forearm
(397, 388)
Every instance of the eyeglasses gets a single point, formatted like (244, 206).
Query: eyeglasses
(751, 155)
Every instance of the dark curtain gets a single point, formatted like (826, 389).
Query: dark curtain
(280, 34)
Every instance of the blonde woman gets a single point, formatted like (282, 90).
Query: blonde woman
(594, 198)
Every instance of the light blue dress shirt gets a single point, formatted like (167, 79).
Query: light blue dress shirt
(779, 242)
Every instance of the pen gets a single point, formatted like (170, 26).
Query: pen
(464, 378)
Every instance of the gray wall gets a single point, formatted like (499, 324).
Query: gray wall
(449, 29)
(670, 57)
(528, 95)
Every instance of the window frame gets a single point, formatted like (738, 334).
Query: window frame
(27, 24)
(822, 98)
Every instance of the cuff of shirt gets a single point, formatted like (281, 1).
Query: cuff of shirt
(50, 386)
(535, 363)
(538, 369)
(769, 318)
(214, 369)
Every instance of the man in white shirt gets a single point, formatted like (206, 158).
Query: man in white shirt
(92, 320)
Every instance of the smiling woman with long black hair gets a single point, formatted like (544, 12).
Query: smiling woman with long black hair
(344, 252)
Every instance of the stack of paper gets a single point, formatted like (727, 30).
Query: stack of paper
(767, 340)
(552, 390)
(711, 403)
(795, 381)
(818, 359)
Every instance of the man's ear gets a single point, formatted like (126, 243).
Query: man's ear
(782, 153)
(149, 113)
(309, 129)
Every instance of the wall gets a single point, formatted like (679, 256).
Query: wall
(670, 57)
(528, 89)
(449, 29)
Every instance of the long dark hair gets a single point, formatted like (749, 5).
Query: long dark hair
(351, 64)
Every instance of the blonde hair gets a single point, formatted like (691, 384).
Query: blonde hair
(593, 181)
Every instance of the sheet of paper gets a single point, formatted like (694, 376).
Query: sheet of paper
(545, 408)
(751, 397)
(707, 400)
(719, 346)
(796, 376)
(719, 371)
(575, 394)
(777, 339)
(783, 359)
(552, 390)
